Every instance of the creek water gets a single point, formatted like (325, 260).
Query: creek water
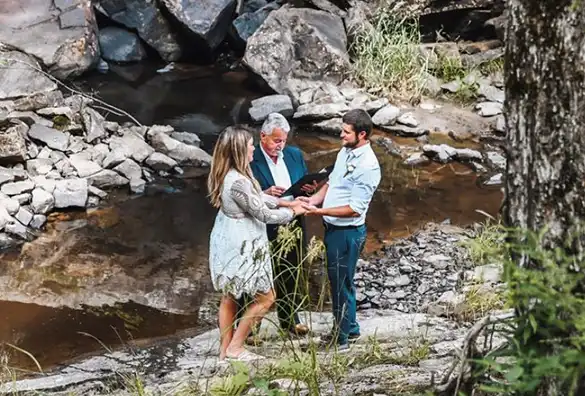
(135, 270)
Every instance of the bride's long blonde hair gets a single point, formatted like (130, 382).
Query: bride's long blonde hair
(230, 152)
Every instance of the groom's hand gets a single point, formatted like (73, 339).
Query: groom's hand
(275, 191)
(312, 210)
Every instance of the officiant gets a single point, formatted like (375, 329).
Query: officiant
(277, 166)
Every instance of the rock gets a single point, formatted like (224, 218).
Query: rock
(56, 111)
(404, 131)
(436, 53)
(6, 175)
(244, 26)
(83, 165)
(500, 125)
(499, 24)
(23, 199)
(76, 145)
(180, 152)
(119, 45)
(38, 101)
(431, 84)
(42, 201)
(63, 36)
(46, 184)
(24, 216)
(38, 221)
(496, 161)
(408, 120)
(488, 109)
(107, 178)
(158, 161)
(266, 105)
(12, 143)
(71, 193)
(475, 60)
(209, 21)
(331, 126)
(389, 146)
(148, 21)
(114, 157)
(491, 273)
(16, 228)
(137, 186)
(441, 153)
(16, 188)
(29, 118)
(39, 166)
(130, 169)
(467, 154)
(495, 180)
(17, 79)
(439, 261)
(94, 124)
(11, 205)
(93, 190)
(99, 153)
(387, 115)
(51, 137)
(132, 145)
(491, 93)
(296, 49)
(453, 86)
(320, 112)
(416, 159)
(187, 137)
(5, 218)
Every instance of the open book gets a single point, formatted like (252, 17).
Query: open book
(319, 177)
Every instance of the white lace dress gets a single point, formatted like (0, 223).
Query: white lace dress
(239, 255)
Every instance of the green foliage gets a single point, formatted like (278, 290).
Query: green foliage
(488, 245)
(546, 342)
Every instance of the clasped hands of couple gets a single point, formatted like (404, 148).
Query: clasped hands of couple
(301, 205)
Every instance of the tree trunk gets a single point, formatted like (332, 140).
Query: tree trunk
(545, 118)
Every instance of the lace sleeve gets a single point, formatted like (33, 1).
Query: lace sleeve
(270, 201)
(252, 203)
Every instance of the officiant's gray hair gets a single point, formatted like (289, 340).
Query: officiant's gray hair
(275, 120)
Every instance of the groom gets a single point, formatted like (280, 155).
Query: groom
(345, 200)
(277, 166)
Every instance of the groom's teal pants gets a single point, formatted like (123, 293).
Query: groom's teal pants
(344, 246)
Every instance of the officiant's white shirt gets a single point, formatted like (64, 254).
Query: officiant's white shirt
(279, 171)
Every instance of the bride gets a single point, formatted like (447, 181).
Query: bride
(239, 255)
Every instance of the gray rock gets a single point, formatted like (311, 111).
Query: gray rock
(93, 190)
(439, 261)
(132, 145)
(45, 183)
(6, 241)
(441, 153)
(24, 216)
(18, 229)
(187, 137)
(408, 120)
(208, 21)
(42, 201)
(93, 202)
(71, 193)
(416, 159)
(107, 178)
(6, 175)
(29, 118)
(39, 166)
(387, 115)
(64, 39)
(491, 93)
(266, 105)
(99, 153)
(313, 41)
(147, 20)
(114, 158)
(38, 221)
(500, 124)
(495, 180)
(453, 86)
(119, 45)
(488, 109)
(16, 188)
(83, 165)
(404, 131)
(331, 126)
(320, 112)
(17, 79)
(56, 111)
(94, 124)
(11, 205)
(129, 169)
(467, 154)
(158, 161)
(137, 185)
(32, 151)
(76, 145)
(12, 143)
(491, 273)
(180, 152)
(23, 199)
(246, 24)
(53, 138)
(5, 218)
(495, 160)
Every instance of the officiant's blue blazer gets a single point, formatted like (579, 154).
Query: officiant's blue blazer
(297, 168)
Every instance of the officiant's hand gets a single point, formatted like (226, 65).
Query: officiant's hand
(275, 191)
(310, 187)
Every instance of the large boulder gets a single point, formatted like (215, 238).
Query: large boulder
(18, 76)
(208, 20)
(297, 49)
(119, 45)
(62, 34)
(148, 21)
(244, 26)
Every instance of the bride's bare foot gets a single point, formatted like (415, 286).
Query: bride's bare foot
(234, 352)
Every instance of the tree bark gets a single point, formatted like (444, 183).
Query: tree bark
(545, 119)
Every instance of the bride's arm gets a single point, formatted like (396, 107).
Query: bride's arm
(253, 203)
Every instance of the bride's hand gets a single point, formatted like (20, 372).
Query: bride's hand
(298, 209)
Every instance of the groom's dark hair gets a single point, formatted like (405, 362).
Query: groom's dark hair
(359, 120)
